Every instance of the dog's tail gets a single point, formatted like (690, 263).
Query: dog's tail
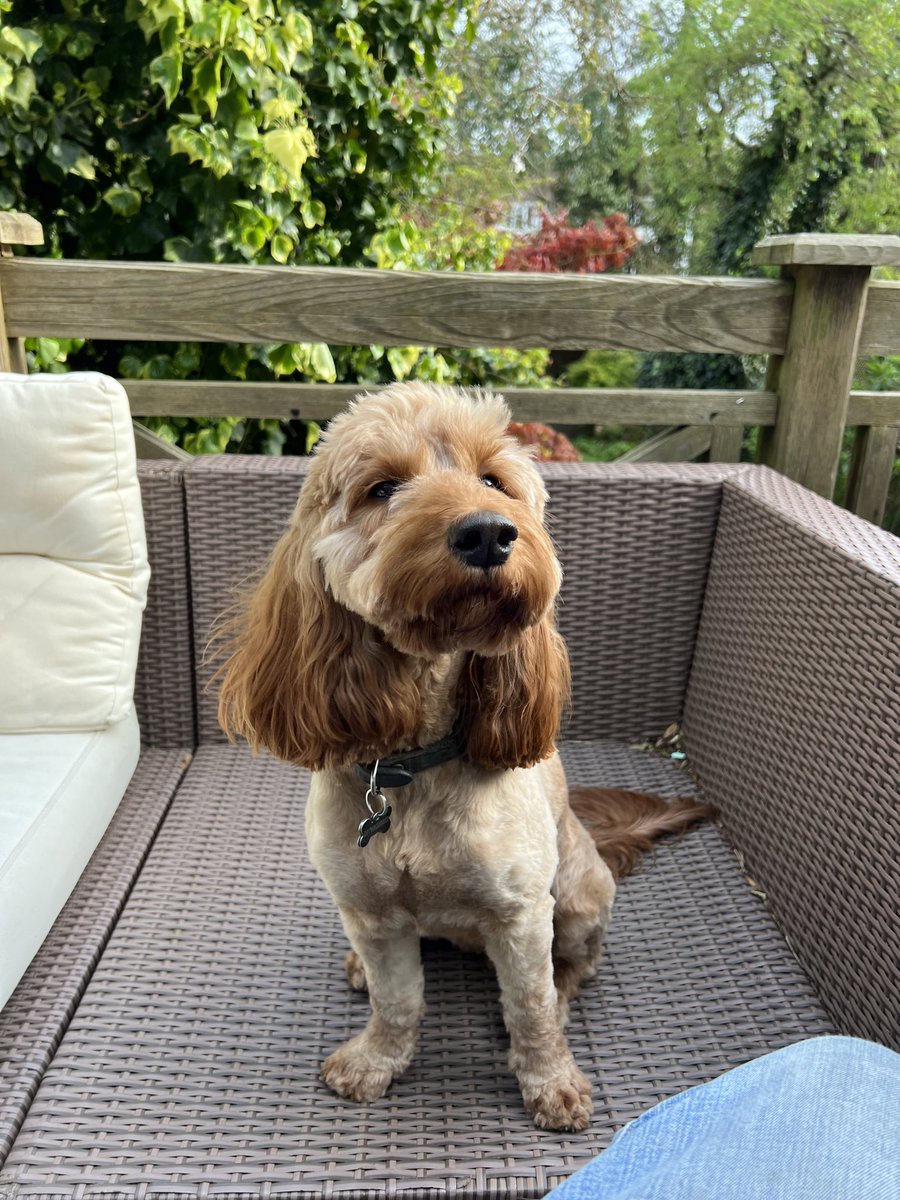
(625, 824)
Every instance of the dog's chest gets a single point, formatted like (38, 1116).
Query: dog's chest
(452, 858)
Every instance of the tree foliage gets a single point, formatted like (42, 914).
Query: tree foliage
(255, 130)
(196, 130)
(585, 249)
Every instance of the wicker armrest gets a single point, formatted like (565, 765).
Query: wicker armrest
(164, 686)
(792, 724)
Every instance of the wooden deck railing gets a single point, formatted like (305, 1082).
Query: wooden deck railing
(813, 323)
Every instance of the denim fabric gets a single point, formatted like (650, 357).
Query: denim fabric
(819, 1120)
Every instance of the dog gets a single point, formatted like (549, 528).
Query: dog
(403, 636)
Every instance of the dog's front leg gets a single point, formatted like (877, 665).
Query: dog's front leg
(363, 1068)
(555, 1091)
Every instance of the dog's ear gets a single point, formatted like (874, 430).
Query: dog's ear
(510, 705)
(306, 678)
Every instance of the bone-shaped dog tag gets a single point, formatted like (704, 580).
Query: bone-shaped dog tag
(379, 822)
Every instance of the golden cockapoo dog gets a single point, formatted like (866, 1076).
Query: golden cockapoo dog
(409, 605)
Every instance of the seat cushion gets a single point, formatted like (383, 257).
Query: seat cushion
(58, 792)
(73, 558)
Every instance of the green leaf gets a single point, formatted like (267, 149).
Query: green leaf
(207, 82)
(313, 433)
(71, 158)
(281, 247)
(403, 359)
(243, 70)
(321, 363)
(165, 72)
(312, 213)
(290, 148)
(24, 87)
(124, 201)
(23, 43)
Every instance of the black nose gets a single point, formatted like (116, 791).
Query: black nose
(483, 539)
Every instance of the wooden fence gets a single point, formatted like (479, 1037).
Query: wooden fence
(813, 322)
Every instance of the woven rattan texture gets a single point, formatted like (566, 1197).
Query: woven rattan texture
(36, 1015)
(635, 549)
(190, 1068)
(875, 549)
(164, 688)
(793, 723)
(635, 545)
(237, 507)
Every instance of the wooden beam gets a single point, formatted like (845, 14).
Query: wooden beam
(672, 445)
(881, 324)
(560, 406)
(261, 304)
(556, 406)
(874, 408)
(829, 249)
(151, 445)
(871, 469)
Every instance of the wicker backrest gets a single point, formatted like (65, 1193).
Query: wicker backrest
(793, 726)
(635, 543)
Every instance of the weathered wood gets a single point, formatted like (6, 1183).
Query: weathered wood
(7, 347)
(12, 350)
(671, 445)
(816, 373)
(18, 229)
(828, 249)
(874, 408)
(881, 324)
(726, 442)
(562, 406)
(150, 445)
(871, 468)
(201, 302)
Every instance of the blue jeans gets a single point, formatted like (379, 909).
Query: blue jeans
(816, 1121)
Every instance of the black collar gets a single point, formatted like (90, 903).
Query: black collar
(397, 770)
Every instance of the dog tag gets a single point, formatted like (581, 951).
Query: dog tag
(379, 822)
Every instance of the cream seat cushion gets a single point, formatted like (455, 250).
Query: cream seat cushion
(58, 792)
(73, 583)
(73, 559)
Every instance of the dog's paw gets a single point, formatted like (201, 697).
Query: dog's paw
(355, 971)
(563, 1103)
(355, 1073)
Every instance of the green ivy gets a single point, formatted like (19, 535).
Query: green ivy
(197, 131)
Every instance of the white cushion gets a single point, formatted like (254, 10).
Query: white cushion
(58, 792)
(73, 557)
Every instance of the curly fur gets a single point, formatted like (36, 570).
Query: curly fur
(368, 635)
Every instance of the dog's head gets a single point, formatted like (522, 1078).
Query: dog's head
(418, 535)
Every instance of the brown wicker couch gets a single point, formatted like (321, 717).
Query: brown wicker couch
(166, 1040)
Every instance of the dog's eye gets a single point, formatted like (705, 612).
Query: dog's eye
(492, 481)
(383, 490)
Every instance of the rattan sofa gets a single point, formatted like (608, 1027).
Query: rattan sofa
(166, 1040)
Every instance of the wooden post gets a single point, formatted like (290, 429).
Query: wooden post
(16, 229)
(726, 443)
(831, 277)
(871, 468)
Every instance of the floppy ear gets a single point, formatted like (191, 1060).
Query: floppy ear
(307, 679)
(510, 705)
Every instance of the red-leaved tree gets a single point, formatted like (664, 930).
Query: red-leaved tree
(587, 250)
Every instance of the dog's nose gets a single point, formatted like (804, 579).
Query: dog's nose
(483, 539)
